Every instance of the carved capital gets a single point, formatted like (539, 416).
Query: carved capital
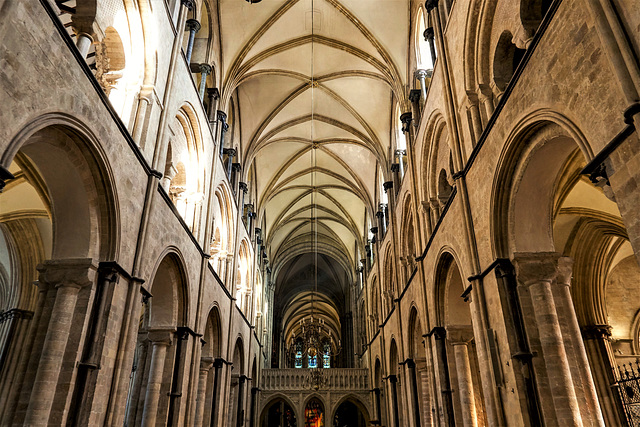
(423, 74)
(414, 95)
(76, 272)
(206, 363)
(536, 267)
(388, 185)
(243, 187)
(596, 332)
(430, 5)
(161, 336)
(459, 334)
(231, 152)
(193, 25)
(221, 115)
(213, 93)
(429, 34)
(205, 69)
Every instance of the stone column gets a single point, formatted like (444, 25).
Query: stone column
(564, 302)
(229, 271)
(205, 70)
(411, 365)
(217, 364)
(213, 94)
(422, 75)
(205, 366)
(243, 191)
(221, 130)
(426, 398)
(415, 95)
(536, 272)
(254, 397)
(231, 153)
(429, 36)
(193, 26)
(240, 409)
(401, 153)
(393, 381)
(376, 391)
(460, 337)
(442, 366)
(68, 277)
(160, 341)
(84, 43)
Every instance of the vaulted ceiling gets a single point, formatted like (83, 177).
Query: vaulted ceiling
(315, 83)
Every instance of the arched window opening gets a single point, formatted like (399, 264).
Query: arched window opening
(424, 57)
(505, 61)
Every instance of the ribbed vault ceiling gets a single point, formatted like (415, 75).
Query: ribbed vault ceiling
(314, 82)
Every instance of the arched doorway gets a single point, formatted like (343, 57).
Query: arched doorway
(350, 414)
(278, 413)
(314, 413)
(456, 353)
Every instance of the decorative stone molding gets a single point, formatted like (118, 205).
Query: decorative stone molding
(75, 272)
(459, 334)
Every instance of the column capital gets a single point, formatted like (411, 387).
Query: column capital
(393, 379)
(205, 69)
(395, 167)
(243, 187)
(422, 74)
(192, 24)
(401, 151)
(213, 93)
(388, 185)
(161, 336)
(406, 118)
(459, 334)
(536, 267)
(430, 5)
(438, 332)
(236, 166)
(429, 34)
(231, 152)
(221, 115)
(414, 95)
(206, 363)
(596, 332)
(75, 272)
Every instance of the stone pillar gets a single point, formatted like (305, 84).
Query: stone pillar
(240, 408)
(429, 36)
(564, 302)
(68, 277)
(160, 341)
(217, 364)
(422, 75)
(221, 130)
(401, 153)
(84, 43)
(381, 221)
(393, 381)
(205, 366)
(426, 398)
(442, 366)
(460, 337)
(376, 391)
(231, 153)
(415, 95)
(229, 270)
(252, 415)
(535, 273)
(205, 70)
(193, 26)
(213, 94)
(243, 191)
(411, 365)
